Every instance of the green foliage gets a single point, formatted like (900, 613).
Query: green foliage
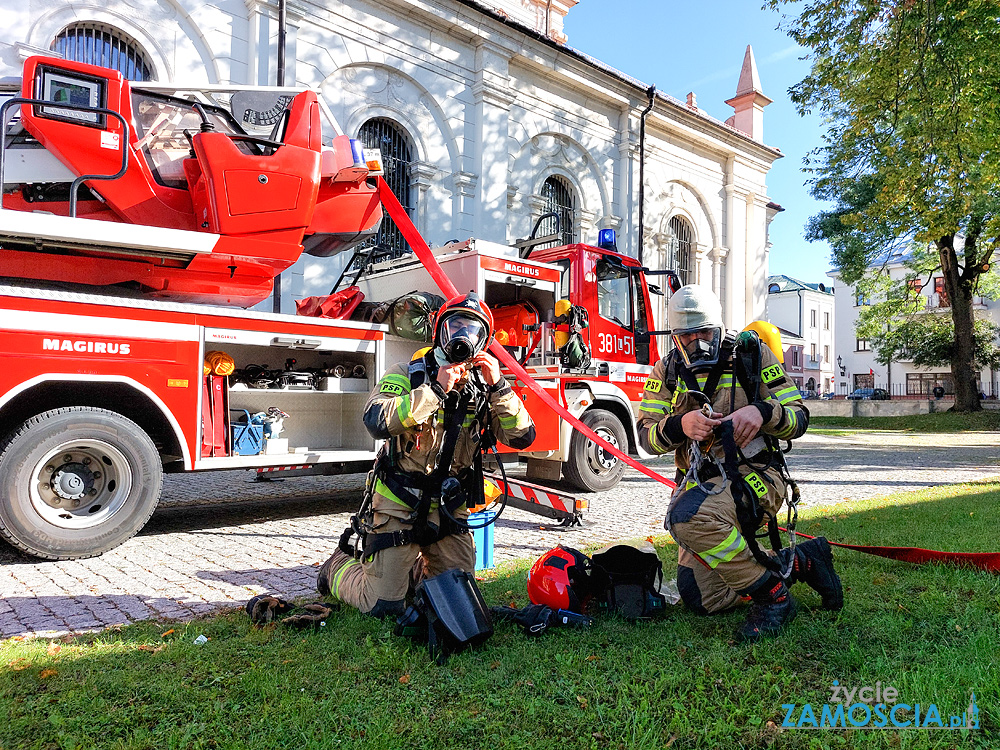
(680, 682)
(911, 93)
(929, 341)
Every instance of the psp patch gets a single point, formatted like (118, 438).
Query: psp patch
(756, 484)
(392, 388)
(652, 384)
(772, 373)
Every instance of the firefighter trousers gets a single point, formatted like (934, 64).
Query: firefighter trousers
(715, 567)
(378, 585)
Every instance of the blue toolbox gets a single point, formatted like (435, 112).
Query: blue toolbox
(248, 438)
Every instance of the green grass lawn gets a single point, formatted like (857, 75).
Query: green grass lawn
(931, 632)
(944, 421)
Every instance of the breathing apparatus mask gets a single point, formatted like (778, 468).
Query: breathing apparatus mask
(462, 337)
(701, 352)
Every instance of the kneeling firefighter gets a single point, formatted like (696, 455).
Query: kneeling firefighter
(722, 402)
(437, 415)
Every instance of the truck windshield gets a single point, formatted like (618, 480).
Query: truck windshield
(160, 122)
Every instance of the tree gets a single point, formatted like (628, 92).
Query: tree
(911, 93)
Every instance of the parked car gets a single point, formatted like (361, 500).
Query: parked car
(869, 394)
(807, 394)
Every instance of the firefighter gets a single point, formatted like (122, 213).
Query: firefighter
(715, 513)
(437, 415)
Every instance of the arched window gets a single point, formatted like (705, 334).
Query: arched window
(681, 240)
(387, 137)
(100, 44)
(558, 196)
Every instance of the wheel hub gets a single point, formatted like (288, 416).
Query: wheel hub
(603, 461)
(72, 481)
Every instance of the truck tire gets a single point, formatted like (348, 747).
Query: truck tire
(76, 482)
(589, 467)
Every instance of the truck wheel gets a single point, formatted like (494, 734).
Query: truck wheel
(590, 467)
(76, 482)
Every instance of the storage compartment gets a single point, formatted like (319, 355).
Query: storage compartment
(322, 392)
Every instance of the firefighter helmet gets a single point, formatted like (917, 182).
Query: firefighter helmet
(769, 334)
(695, 309)
(463, 327)
(560, 579)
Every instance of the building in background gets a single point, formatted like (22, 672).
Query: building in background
(856, 360)
(486, 117)
(807, 312)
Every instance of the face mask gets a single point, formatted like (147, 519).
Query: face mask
(700, 353)
(461, 338)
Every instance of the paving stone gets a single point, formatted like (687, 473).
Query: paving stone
(217, 539)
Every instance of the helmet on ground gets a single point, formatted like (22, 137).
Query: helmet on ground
(463, 327)
(560, 579)
(769, 334)
(695, 319)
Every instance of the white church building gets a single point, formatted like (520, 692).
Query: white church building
(486, 116)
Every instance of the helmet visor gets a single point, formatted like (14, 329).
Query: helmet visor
(699, 349)
(462, 337)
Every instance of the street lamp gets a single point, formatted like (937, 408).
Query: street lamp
(840, 364)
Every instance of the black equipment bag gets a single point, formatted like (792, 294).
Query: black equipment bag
(628, 579)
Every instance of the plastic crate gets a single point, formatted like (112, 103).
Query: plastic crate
(248, 439)
(483, 538)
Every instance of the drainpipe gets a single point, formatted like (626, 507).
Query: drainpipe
(651, 93)
(280, 81)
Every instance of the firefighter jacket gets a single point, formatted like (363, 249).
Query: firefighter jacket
(414, 420)
(666, 399)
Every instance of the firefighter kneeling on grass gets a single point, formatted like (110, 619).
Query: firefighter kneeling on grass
(437, 416)
(722, 402)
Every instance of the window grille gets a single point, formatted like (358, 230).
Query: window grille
(681, 240)
(558, 197)
(99, 44)
(397, 157)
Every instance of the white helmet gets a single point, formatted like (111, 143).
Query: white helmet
(694, 309)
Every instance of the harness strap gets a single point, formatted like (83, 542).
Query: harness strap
(748, 510)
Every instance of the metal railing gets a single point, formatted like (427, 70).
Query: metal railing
(74, 187)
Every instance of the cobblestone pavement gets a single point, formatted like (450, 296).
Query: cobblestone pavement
(217, 539)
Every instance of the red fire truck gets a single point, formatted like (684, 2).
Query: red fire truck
(135, 225)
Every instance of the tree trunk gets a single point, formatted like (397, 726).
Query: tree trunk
(960, 298)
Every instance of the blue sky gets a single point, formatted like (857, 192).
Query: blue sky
(681, 47)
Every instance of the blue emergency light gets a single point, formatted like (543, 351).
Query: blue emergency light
(358, 152)
(606, 240)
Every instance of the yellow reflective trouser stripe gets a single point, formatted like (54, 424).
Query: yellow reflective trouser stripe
(787, 394)
(384, 491)
(340, 576)
(401, 380)
(469, 419)
(403, 411)
(653, 442)
(724, 552)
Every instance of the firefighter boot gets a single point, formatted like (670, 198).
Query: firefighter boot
(813, 565)
(772, 608)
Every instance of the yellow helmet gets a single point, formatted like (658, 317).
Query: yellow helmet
(769, 334)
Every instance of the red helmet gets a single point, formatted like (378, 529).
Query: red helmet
(560, 579)
(463, 327)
